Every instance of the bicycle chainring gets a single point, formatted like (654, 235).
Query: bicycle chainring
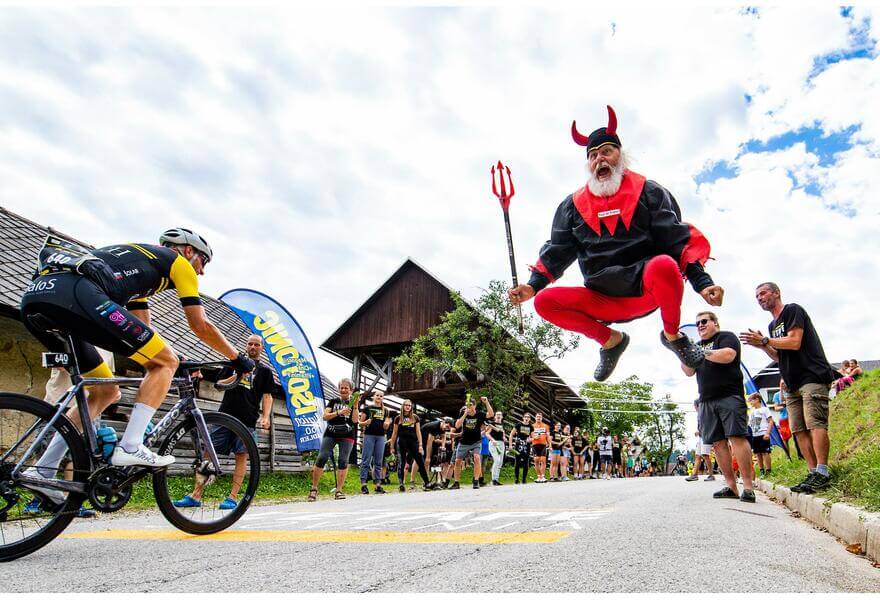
(106, 492)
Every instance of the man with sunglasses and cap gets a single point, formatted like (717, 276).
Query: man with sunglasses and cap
(633, 249)
(723, 417)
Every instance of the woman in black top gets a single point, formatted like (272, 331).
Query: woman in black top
(407, 433)
(556, 439)
(579, 450)
(341, 416)
(495, 429)
(374, 421)
(519, 440)
(566, 452)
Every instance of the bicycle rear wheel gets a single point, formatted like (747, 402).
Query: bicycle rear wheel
(28, 518)
(189, 478)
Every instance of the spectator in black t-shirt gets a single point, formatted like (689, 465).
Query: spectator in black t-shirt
(406, 436)
(470, 424)
(342, 416)
(244, 402)
(520, 440)
(495, 430)
(722, 410)
(375, 422)
(794, 344)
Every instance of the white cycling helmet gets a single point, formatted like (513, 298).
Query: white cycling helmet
(180, 236)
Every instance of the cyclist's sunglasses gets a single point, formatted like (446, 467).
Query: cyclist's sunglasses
(703, 322)
(204, 257)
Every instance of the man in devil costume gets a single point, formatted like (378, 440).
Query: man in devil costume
(633, 249)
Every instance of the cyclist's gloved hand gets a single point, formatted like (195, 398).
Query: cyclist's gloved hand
(243, 364)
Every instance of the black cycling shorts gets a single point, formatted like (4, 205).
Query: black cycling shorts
(76, 305)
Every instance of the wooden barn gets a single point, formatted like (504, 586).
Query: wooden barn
(404, 307)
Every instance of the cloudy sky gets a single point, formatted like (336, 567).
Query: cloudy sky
(316, 150)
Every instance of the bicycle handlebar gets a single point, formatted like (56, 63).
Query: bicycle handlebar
(193, 365)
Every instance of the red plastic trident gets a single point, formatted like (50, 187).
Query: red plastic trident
(504, 198)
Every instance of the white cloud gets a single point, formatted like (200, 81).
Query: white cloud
(317, 149)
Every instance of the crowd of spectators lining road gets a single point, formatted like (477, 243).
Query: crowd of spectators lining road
(439, 450)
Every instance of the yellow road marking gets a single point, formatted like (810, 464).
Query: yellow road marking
(360, 537)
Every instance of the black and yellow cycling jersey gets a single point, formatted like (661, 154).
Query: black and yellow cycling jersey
(91, 293)
(128, 273)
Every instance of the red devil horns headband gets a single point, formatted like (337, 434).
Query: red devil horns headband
(605, 132)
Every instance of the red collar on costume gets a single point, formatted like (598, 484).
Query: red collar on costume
(608, 209)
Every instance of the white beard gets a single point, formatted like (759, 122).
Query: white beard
(610, 186)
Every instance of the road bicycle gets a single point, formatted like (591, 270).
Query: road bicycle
(200, 443)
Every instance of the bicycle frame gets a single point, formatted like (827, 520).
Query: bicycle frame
(186, 405)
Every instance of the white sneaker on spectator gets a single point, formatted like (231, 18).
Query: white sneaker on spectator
(142, 457)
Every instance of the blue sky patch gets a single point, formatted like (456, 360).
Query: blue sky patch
(715, 171)
(814, 138)
(825, 147)
(861, 45)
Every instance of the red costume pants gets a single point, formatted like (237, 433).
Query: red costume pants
(581, 309)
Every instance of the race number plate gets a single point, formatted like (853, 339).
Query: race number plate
(55, 360)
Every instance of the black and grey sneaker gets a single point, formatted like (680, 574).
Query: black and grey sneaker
(748, 496)
(608, 359)
(455, 485)
(476, 484)
(819, 482)
(379, 489)
(725, 492)
(687, 352)
(804, 485)
(364, 489)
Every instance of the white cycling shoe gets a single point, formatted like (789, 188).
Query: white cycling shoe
(56, 496)
(142, 457)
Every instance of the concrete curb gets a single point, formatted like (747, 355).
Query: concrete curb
(845, 522)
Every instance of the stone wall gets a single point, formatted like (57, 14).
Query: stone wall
(20, 363)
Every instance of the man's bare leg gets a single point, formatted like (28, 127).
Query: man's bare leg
(723, 457)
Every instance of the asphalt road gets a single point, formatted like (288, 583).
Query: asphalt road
(644, 535)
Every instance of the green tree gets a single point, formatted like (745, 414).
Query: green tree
(658, 423)
(603, 398)
(482, 346)
(664, 429)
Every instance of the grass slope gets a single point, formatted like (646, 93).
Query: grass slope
(854, 429)
(291, 487)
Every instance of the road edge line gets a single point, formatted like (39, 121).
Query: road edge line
(845, 522)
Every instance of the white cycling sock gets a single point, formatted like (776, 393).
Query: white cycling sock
(141, 415)
(48, 464)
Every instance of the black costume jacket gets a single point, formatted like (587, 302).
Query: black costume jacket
(613, 238)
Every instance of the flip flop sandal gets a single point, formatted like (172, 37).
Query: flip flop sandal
(339, 495)
(313, 494)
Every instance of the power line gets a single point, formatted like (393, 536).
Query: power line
(594, 399)
(637, 412)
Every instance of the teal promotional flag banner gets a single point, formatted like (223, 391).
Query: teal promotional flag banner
(291, 356)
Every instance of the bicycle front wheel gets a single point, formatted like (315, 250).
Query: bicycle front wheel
(30, 517)
(188, 493)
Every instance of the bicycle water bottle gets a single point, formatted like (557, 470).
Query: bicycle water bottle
(107, 438)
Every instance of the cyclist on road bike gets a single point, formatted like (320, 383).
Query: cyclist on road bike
(100, 297)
